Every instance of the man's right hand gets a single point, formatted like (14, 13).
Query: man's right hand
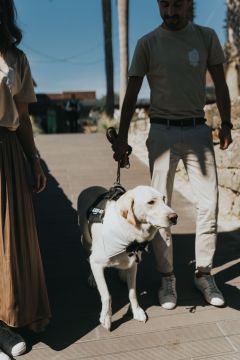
(121, 151)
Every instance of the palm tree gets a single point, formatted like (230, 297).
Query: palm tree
(123, 10)
(107, 24)
(232, 48)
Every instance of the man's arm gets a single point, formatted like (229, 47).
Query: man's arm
(120, 145)
(223, 104)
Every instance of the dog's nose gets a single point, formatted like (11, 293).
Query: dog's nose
(173, 218)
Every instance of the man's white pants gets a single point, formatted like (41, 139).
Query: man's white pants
(166, 146)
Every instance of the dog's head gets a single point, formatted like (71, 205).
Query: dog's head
(145, 205)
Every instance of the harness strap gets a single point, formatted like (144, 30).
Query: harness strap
(96, 212)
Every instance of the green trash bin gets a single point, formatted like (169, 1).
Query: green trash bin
(51, 121)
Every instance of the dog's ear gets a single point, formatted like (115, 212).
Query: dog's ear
(126, 203)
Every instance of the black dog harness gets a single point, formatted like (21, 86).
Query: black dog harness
(96, 212)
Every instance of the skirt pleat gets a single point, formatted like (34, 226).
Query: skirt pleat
(23, 293)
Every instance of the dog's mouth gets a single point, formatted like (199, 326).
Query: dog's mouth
(165, 222)
(171, 223)
(158, 227)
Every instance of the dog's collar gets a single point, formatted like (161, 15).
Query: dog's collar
(133, 248)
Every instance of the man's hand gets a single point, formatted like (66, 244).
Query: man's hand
(225, 137)
(121, 148)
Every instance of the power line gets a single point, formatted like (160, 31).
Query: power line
(53, 60)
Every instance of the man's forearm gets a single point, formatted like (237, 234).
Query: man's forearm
(224, 104)
(127, 112)
(129, 104)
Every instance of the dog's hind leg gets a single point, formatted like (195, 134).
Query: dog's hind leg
(138, 312)
(106, 312)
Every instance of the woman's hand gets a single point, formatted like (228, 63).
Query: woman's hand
(39, 176)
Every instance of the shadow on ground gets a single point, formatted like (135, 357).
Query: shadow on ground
(75, 307)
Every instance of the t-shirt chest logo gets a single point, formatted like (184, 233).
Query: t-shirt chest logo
(193, 57)
(6, 73)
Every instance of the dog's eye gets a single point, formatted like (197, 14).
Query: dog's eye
(151, 202)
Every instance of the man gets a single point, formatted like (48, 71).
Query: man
(175, 57)
(73, 108)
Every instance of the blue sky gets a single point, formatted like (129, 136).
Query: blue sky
(63, 39)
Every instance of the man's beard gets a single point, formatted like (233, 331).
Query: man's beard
(172, 22)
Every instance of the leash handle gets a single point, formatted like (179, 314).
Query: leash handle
(111, 134)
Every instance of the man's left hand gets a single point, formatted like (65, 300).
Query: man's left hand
(225, 137)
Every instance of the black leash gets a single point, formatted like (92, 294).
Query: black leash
(111, 134)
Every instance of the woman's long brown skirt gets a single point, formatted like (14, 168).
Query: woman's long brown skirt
(23, 293)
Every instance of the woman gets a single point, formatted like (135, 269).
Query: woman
(23, 294)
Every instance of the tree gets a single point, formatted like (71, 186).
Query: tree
(232, 48)
(107, 25)
(123, 10)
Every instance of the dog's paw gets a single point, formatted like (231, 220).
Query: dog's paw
(139, 314)
(91, 281)
(106, 321)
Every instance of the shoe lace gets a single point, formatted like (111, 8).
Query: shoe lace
(169, 285)
(211, 285)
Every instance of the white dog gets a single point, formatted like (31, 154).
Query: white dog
(126, 226)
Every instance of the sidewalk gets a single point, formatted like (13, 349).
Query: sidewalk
(193, 330)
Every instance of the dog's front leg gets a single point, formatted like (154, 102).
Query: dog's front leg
(138, 312)
(106, 312)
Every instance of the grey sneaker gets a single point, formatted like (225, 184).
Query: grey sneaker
(167, 294)
(11, 343)
(206, 284)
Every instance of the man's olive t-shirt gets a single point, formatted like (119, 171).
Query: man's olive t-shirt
(175, 63)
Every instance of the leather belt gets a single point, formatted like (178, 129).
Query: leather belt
(178, 122)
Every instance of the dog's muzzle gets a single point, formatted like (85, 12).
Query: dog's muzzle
(173, 218)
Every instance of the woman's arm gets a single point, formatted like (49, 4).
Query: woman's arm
(25, 136)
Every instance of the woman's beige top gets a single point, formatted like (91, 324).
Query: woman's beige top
(16, 85)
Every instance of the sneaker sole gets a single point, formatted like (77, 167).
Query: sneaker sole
(168, 306)
(4, 356)
(18, 349)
